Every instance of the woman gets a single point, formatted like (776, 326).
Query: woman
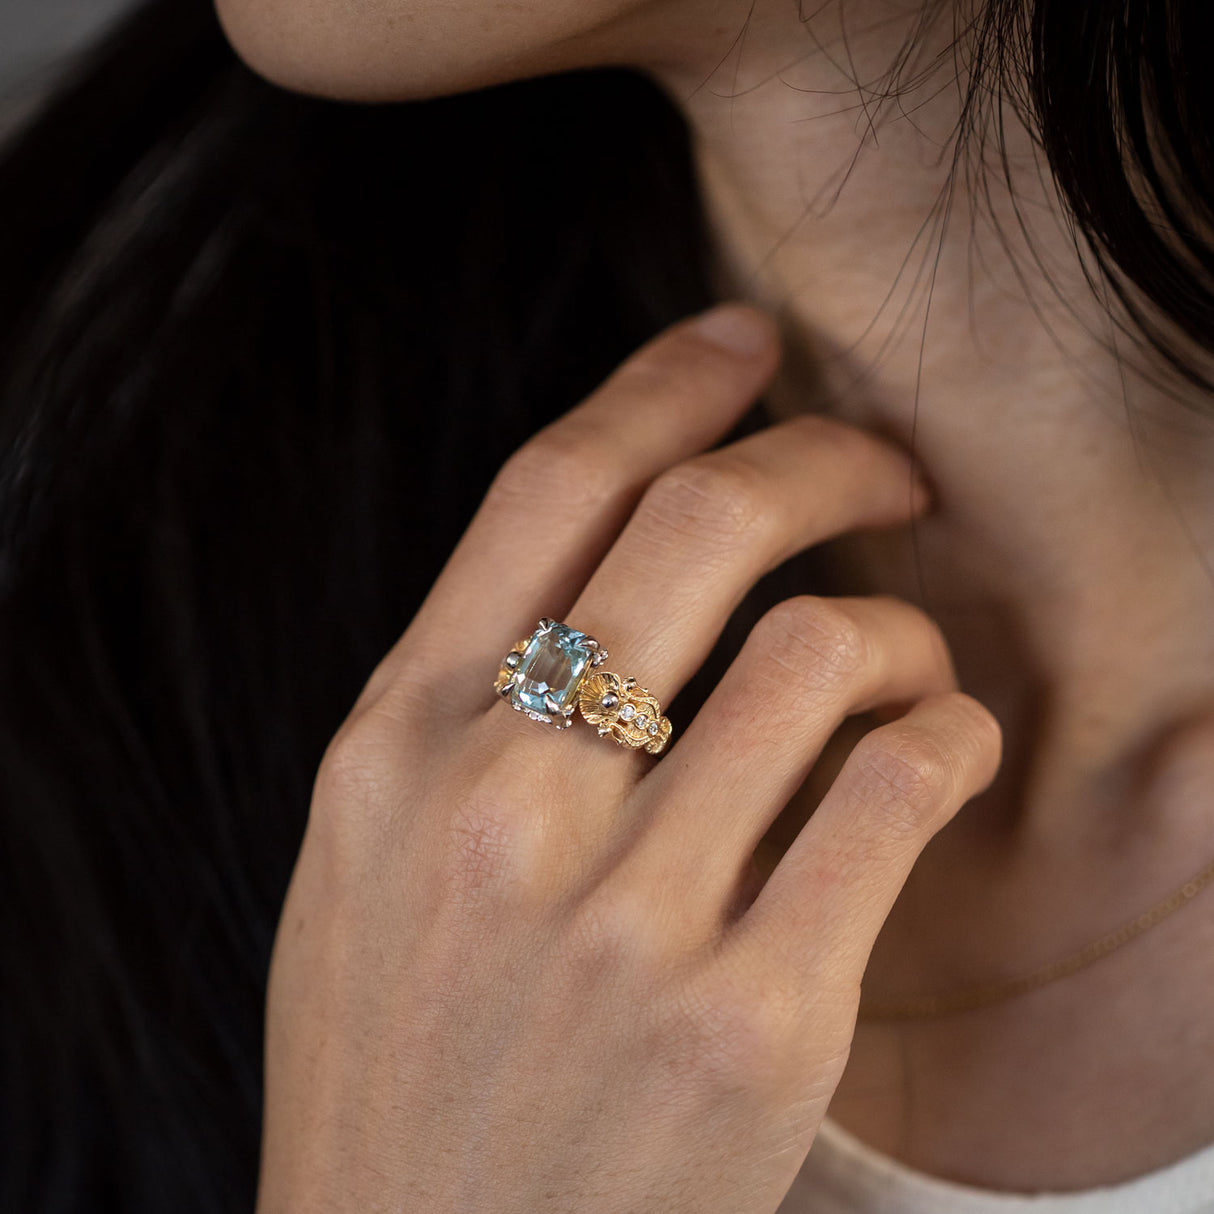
(264, 355)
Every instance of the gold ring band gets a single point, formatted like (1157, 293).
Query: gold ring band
(556, 669)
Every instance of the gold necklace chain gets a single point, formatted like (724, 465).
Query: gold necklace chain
(923, 1007)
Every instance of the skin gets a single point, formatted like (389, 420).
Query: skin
(521, 971)
(1066, 558)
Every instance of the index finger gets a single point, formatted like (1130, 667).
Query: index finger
(555, 506)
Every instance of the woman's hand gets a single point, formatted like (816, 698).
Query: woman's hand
(520, 969)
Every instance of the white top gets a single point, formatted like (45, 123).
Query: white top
(842, 1175)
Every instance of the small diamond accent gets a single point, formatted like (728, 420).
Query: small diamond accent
(642, 719)
(653, 729)
(628, 712)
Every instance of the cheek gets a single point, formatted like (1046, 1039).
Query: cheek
(396, 50)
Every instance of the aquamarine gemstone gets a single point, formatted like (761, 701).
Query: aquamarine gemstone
(553, 664)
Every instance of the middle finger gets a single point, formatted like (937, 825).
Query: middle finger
(706, 530)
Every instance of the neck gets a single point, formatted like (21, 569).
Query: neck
(1069, 560)
(1071, 556)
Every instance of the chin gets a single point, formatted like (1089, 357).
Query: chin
(403, 50)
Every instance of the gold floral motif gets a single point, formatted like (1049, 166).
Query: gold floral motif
(632, 715)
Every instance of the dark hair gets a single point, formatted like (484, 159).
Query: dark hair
(260, 355)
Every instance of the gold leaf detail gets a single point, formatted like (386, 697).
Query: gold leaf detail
(638, 706)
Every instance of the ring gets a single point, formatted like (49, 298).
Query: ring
(555, 669)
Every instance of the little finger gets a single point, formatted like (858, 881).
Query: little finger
(807, 664)
(819, 912)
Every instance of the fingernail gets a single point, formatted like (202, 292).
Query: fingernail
(736, 328)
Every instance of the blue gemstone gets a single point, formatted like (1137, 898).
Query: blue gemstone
(552, 664)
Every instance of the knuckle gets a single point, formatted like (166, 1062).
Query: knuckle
(736, 1038)
(816, 642)
(561, 463)
(491, 849)
(907, 774)
(613, 929)
(706, 500)
(344, 761)
(350, 820)
(351, 773)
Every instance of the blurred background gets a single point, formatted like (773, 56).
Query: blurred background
(36, 37)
